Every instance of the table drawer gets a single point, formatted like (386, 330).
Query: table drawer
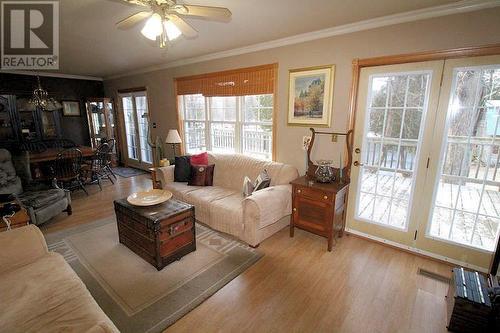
(313, 194)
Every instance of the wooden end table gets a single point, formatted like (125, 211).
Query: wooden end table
(319, 208)
(20, 219)
(159, 234)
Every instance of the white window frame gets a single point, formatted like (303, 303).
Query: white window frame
(238, 123)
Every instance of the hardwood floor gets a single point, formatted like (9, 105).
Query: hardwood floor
(298, 286)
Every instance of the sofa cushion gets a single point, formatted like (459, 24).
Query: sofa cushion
(47, 296)
(231, 169)
(202, 199)
(226, 214)
(38, 199)
(182, 169)
(179, 190)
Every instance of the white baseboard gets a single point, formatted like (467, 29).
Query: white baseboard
(416, 250)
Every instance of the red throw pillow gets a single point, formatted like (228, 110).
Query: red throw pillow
(199, 159)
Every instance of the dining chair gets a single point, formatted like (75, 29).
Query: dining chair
(67, 169)
(98, 169)
(112, 144)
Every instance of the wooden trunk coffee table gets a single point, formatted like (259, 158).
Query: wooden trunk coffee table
(159, 234)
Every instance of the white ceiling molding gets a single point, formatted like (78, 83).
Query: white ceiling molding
(59, 75)
(414, 15)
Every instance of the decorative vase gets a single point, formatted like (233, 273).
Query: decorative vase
(324, 172)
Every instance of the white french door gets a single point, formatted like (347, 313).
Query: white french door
(427, 141)
(393, 117)
(462, 214)
(136, 129)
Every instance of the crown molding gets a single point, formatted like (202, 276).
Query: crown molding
(414, 15)
(58, 75)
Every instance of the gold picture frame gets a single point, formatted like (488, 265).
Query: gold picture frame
(310, 96)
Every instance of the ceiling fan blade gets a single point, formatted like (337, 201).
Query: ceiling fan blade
(186, 29)
(211, 13)
(144, 3)
(132, 20)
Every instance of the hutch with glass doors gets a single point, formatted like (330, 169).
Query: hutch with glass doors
(21, 122)
(101, 119)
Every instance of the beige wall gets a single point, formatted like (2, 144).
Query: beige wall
(470, 29)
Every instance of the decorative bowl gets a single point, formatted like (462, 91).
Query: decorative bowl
(149, 198)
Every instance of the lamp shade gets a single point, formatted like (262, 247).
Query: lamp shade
(173, 137)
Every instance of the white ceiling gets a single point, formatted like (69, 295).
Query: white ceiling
(91, 45)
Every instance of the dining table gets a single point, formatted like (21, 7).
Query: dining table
(51, 154)
(41, 162)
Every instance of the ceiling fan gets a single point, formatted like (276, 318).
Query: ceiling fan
(164, 19)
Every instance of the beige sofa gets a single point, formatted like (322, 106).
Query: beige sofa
(223, 206)
(39, 292)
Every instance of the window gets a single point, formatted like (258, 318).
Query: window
(229, 124)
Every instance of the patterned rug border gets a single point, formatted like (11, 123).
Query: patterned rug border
(105, 300)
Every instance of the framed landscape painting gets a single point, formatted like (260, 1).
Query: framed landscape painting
(310, 94)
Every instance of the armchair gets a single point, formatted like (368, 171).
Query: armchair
(41, 201)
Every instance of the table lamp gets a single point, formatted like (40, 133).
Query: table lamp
(173, 138)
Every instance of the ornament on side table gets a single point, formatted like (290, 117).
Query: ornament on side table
(324, 172)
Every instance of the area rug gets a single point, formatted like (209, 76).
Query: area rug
(126, 172)
(136, 296)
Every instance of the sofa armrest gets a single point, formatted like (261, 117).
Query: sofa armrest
(162, 176)
(267, 206)
(21, 246)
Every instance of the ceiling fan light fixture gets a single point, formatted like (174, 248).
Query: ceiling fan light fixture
(153, 27)
(171, 29)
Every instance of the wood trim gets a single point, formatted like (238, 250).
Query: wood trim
(421, 255)
(275, 112)
(463, 52)
(132, 90)
(495, 261)
(226, 72)
(180, 122)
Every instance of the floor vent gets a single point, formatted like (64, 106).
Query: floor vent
(433, 275)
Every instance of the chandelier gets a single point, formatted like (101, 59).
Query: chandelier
(41, 100)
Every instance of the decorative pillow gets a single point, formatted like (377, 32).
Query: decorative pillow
(209, 179)
(263, 180)
(182, 169)
(199, 159)
(247, 187)
(201, 175)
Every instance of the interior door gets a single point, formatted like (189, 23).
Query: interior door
(461, 218)
(396, 110)
(136, 129)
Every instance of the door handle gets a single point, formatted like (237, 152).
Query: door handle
(357, 150)
(356, 163)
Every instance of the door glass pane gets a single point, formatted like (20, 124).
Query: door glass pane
(143, 121)
(394, 120)
(467, 200)
(130, 133)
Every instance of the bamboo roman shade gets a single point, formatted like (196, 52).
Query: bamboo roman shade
(239, 82)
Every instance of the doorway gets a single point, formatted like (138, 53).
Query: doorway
(135, 116)
(428, 137)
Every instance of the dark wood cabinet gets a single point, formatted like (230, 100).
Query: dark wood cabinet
(8, 120)
(319, 208)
